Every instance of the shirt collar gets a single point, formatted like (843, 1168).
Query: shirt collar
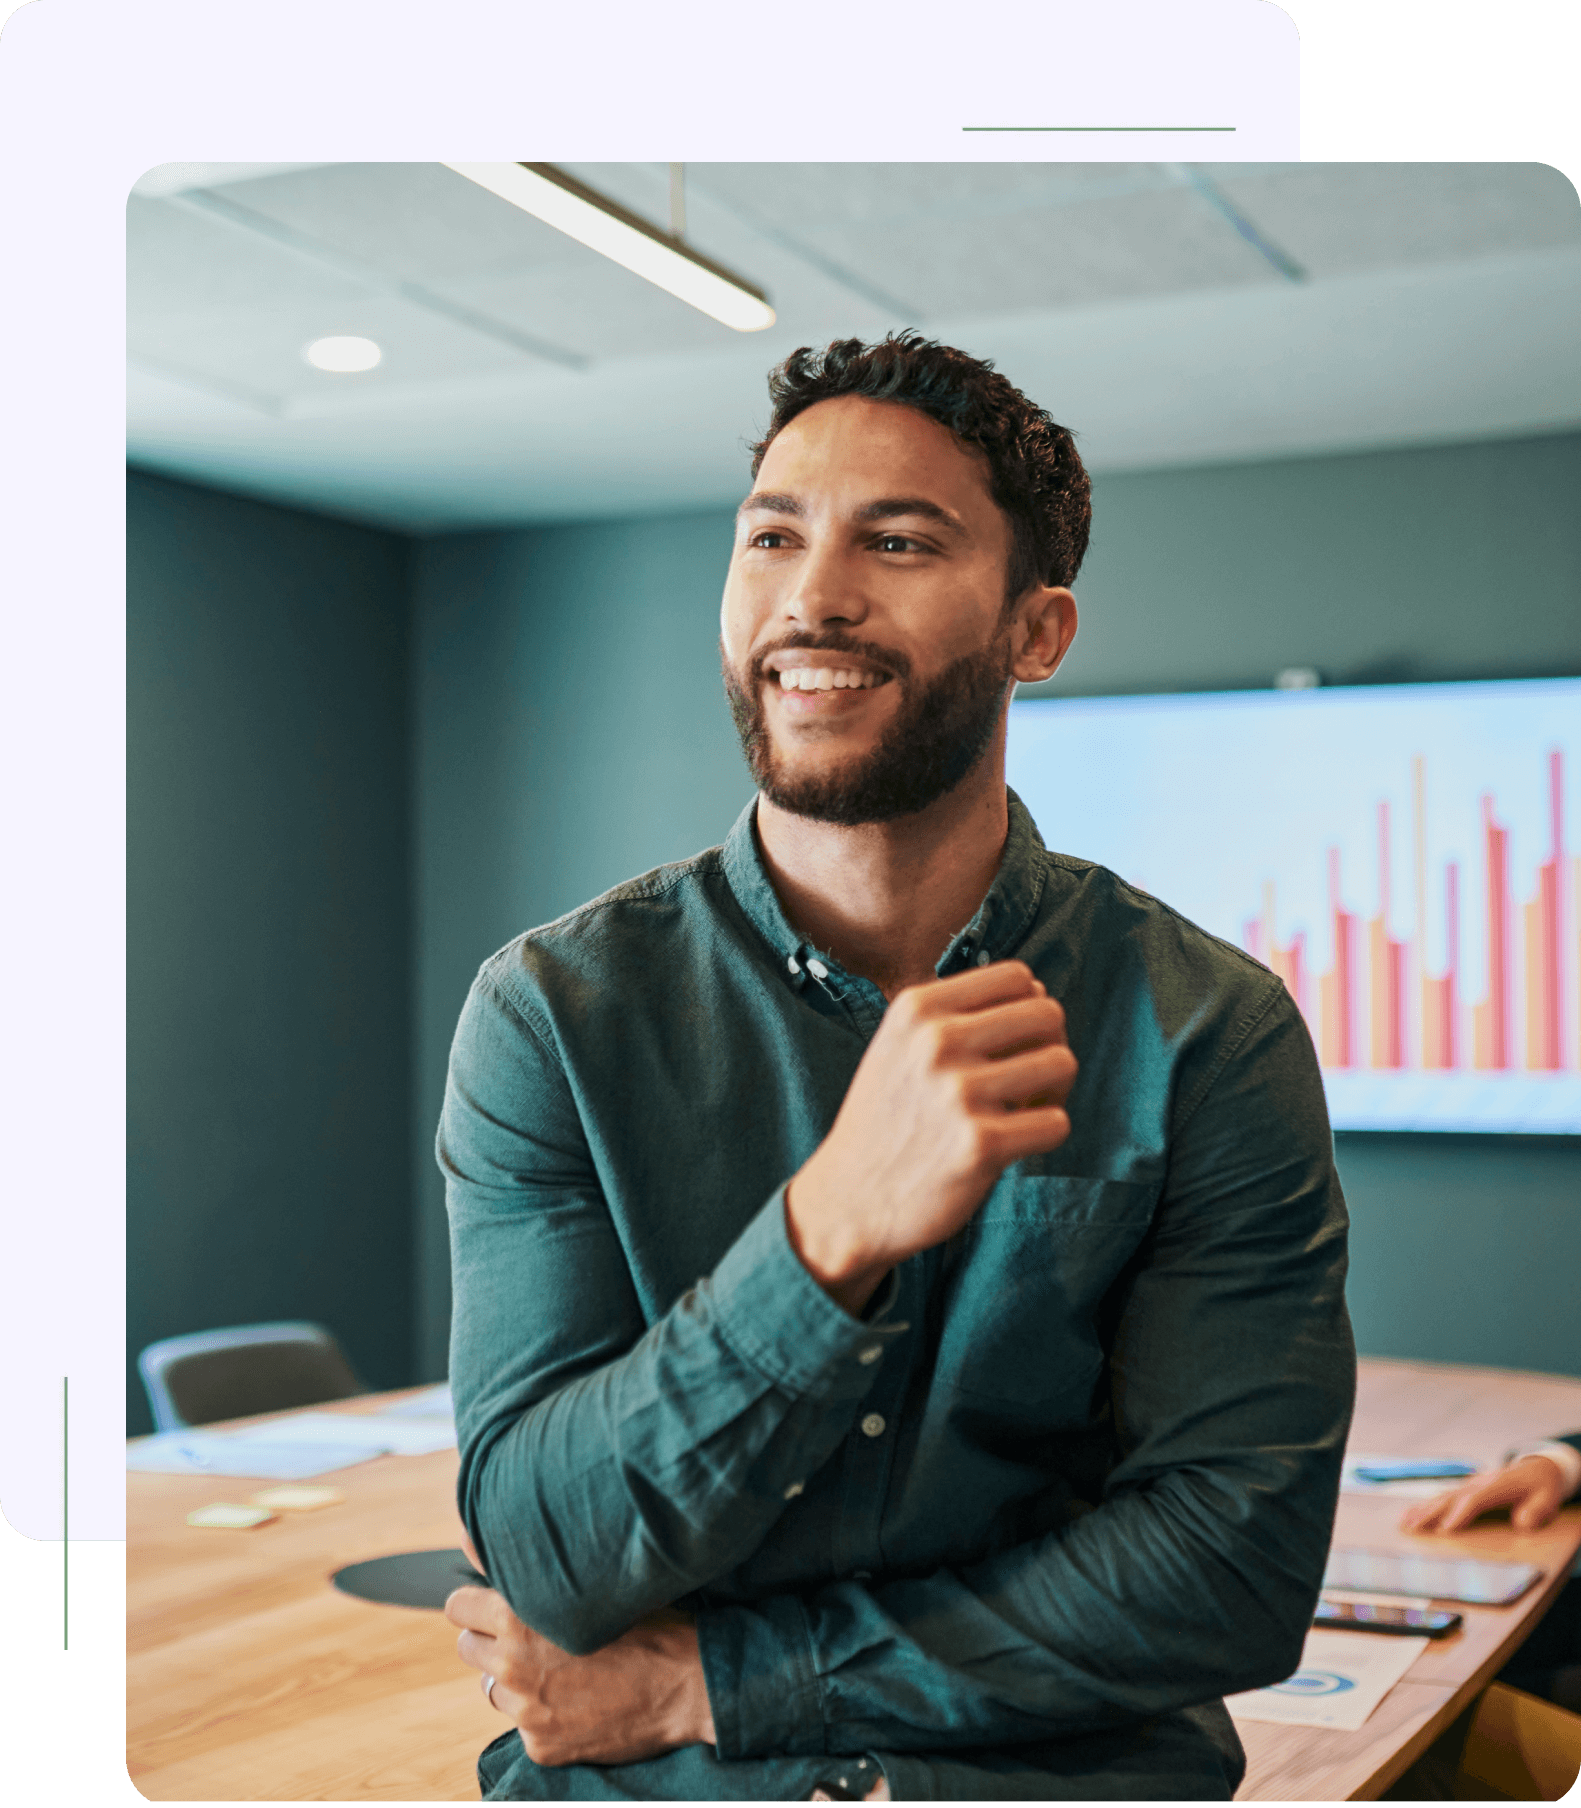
(997, 930)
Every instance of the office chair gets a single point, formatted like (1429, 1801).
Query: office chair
(243, 1369)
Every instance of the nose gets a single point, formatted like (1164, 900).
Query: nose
(827, 588)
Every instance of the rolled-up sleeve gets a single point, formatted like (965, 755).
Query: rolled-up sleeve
(610, 1466)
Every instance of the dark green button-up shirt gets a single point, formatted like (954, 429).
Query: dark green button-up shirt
(1071, 1478)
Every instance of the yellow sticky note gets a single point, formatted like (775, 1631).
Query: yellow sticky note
(296, 1499)
(227, 1513)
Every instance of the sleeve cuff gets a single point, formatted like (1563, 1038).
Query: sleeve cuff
(776, 1316)
(762, 1684)
(1566, 1458)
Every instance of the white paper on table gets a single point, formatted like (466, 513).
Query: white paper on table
(1351, 1483)
(376, 1433)
(197, 1452)
(405, 1437)
(432, 1403)
(1342, 1678)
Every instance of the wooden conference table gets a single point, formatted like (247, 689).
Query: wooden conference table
(250, 1677)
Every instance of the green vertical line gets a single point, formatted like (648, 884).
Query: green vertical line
(65, 1519)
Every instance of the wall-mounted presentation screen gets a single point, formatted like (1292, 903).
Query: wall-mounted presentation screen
(1404, 857)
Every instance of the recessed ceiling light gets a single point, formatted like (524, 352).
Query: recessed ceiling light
(342, 352)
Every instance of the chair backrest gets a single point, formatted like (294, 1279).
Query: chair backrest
(1527, 1749)
(242, 1369)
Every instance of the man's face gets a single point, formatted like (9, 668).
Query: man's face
(864, 641)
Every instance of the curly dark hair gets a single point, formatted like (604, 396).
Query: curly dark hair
(1035, 476)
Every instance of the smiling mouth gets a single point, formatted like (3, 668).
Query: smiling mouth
(828, 678)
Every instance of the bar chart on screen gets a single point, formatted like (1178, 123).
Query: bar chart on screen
(1404, 857)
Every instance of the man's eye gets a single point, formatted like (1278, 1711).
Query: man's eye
(768, 538)
(897, 543)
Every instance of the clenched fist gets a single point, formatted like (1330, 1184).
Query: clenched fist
(965, 1076)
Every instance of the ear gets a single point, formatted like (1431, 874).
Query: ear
(1043, 626)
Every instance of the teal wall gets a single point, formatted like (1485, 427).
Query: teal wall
(571, 731)
(268, 949)
(1381, 567)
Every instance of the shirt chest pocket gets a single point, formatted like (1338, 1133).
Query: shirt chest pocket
(1023, 1287)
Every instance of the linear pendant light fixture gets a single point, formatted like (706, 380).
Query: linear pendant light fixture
(559, 200)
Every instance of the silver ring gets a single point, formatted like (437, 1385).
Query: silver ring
(488, 1689)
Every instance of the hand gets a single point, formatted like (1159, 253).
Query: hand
(641, 1695)
(1533, 1490)
(965, 1075)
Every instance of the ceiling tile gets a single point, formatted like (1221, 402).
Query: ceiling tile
(1339, 218)
(800, 195)
(1137, 244)
(259, 348)
(179, 262)
(416, 220)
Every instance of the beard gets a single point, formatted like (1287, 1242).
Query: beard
(938, 734)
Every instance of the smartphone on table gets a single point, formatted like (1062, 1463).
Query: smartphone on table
(1377, 1616)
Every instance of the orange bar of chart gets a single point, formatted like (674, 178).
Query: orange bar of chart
(1490, 1020)
(1385, 968)
(1440, 1045)
(1336, 995)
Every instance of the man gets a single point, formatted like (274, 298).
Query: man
(855, 1393)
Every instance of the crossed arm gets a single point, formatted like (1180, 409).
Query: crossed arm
(1231, 1378)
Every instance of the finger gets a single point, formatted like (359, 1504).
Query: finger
(1046, 1073)
(1423, 1516)
(1004, 1029)
(1536, 1510)
(1033, 1131)
(470, 1551)
(1476, 1498)
(480, 1651)
(997, 983)
(480, 1608)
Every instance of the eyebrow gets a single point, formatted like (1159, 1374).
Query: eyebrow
(885, 508)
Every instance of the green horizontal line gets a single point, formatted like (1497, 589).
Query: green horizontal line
(1097, 128)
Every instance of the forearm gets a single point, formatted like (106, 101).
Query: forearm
(1151, 1603)
(629, 1487)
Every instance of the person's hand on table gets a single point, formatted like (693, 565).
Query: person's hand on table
(1533, 1489)
(640, 1695)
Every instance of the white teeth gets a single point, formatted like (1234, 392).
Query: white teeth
(824, 678)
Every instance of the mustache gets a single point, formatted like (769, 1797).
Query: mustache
(830, 640)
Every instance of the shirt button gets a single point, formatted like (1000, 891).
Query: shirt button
(871, 1353)
(873, 1425)
(794, 964)
(983, 957)
(794, 1489)
(817, 969)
